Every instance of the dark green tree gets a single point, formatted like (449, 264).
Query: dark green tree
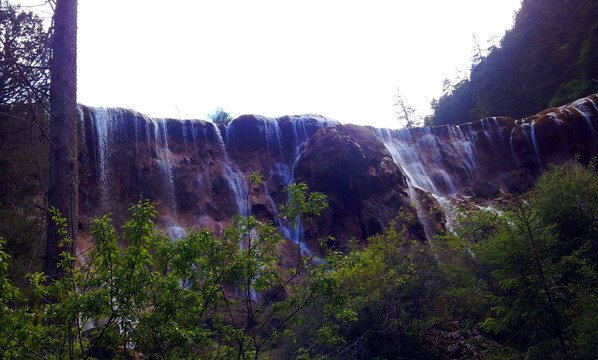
(547, 59)
(24, 54)
(24, 86)
(219, 116)
(536, 265)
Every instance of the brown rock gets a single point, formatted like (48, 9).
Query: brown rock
(365, 187)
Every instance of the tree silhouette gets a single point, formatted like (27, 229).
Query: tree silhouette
(63, 185)
(404, 111)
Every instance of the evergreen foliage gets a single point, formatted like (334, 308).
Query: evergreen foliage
(24, 56)
(23, 169)
(549, 58)
(219, 116)
(535, 266)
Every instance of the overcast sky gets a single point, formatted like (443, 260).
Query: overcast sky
(342, 59)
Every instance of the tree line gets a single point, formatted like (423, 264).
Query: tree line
(548, 58)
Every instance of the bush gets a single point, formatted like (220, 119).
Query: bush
(220, 117)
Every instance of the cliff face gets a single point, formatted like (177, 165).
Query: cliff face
(197, 171)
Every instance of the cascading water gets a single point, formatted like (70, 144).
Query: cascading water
(283, 154)
(464, 145)
(185, 133)
(413, 157)
(164, 158)
(402, 147)
(273, 137)
(101, 119)
(284, 170)
(535, 142)
(450, 211)
(581, 106)
(148, 137)
(494, 134)
(232, 174)
(423, 216)
(512, 145)
(201, 158)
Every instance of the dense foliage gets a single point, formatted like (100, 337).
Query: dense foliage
(520, 281)
(203, 295)
(23, 56)
(23, 178)
(535, 266)
(549, 58)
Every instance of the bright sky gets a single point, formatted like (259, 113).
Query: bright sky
(339, 58)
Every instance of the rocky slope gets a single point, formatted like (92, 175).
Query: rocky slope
(197, 171)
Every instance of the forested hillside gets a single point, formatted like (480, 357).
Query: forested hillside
(549, 58)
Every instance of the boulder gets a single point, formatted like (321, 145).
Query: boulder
(485, 189)
(365, 187)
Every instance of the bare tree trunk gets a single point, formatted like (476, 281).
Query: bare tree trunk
(63, 186)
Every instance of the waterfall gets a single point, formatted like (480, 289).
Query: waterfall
(293, 233)
(465, 146)
(406, 151)
(164, 159)
(423, 216)
(232, 175)
(485, 129)
(492, 131)
(581, 108)
(148, 136)
(300, 139)
(559, 123)
(535, 142)
(172, 228)
(446, 161)
(284, 169)
(184, 131)
(512, 146)
(101, 119)
(450, 211)
(411, 154)
(272, 136)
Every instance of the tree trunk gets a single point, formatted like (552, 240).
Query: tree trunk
(62, 191)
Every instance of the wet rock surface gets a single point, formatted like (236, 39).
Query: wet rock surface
(197, 171)
(365, 187)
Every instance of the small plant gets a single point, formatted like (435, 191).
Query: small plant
(219, 116)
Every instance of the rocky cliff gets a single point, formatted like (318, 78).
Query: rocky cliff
(197, 171)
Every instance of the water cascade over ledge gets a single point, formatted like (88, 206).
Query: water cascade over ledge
(197, 171)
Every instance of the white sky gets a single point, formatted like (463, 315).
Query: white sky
(340, 58)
